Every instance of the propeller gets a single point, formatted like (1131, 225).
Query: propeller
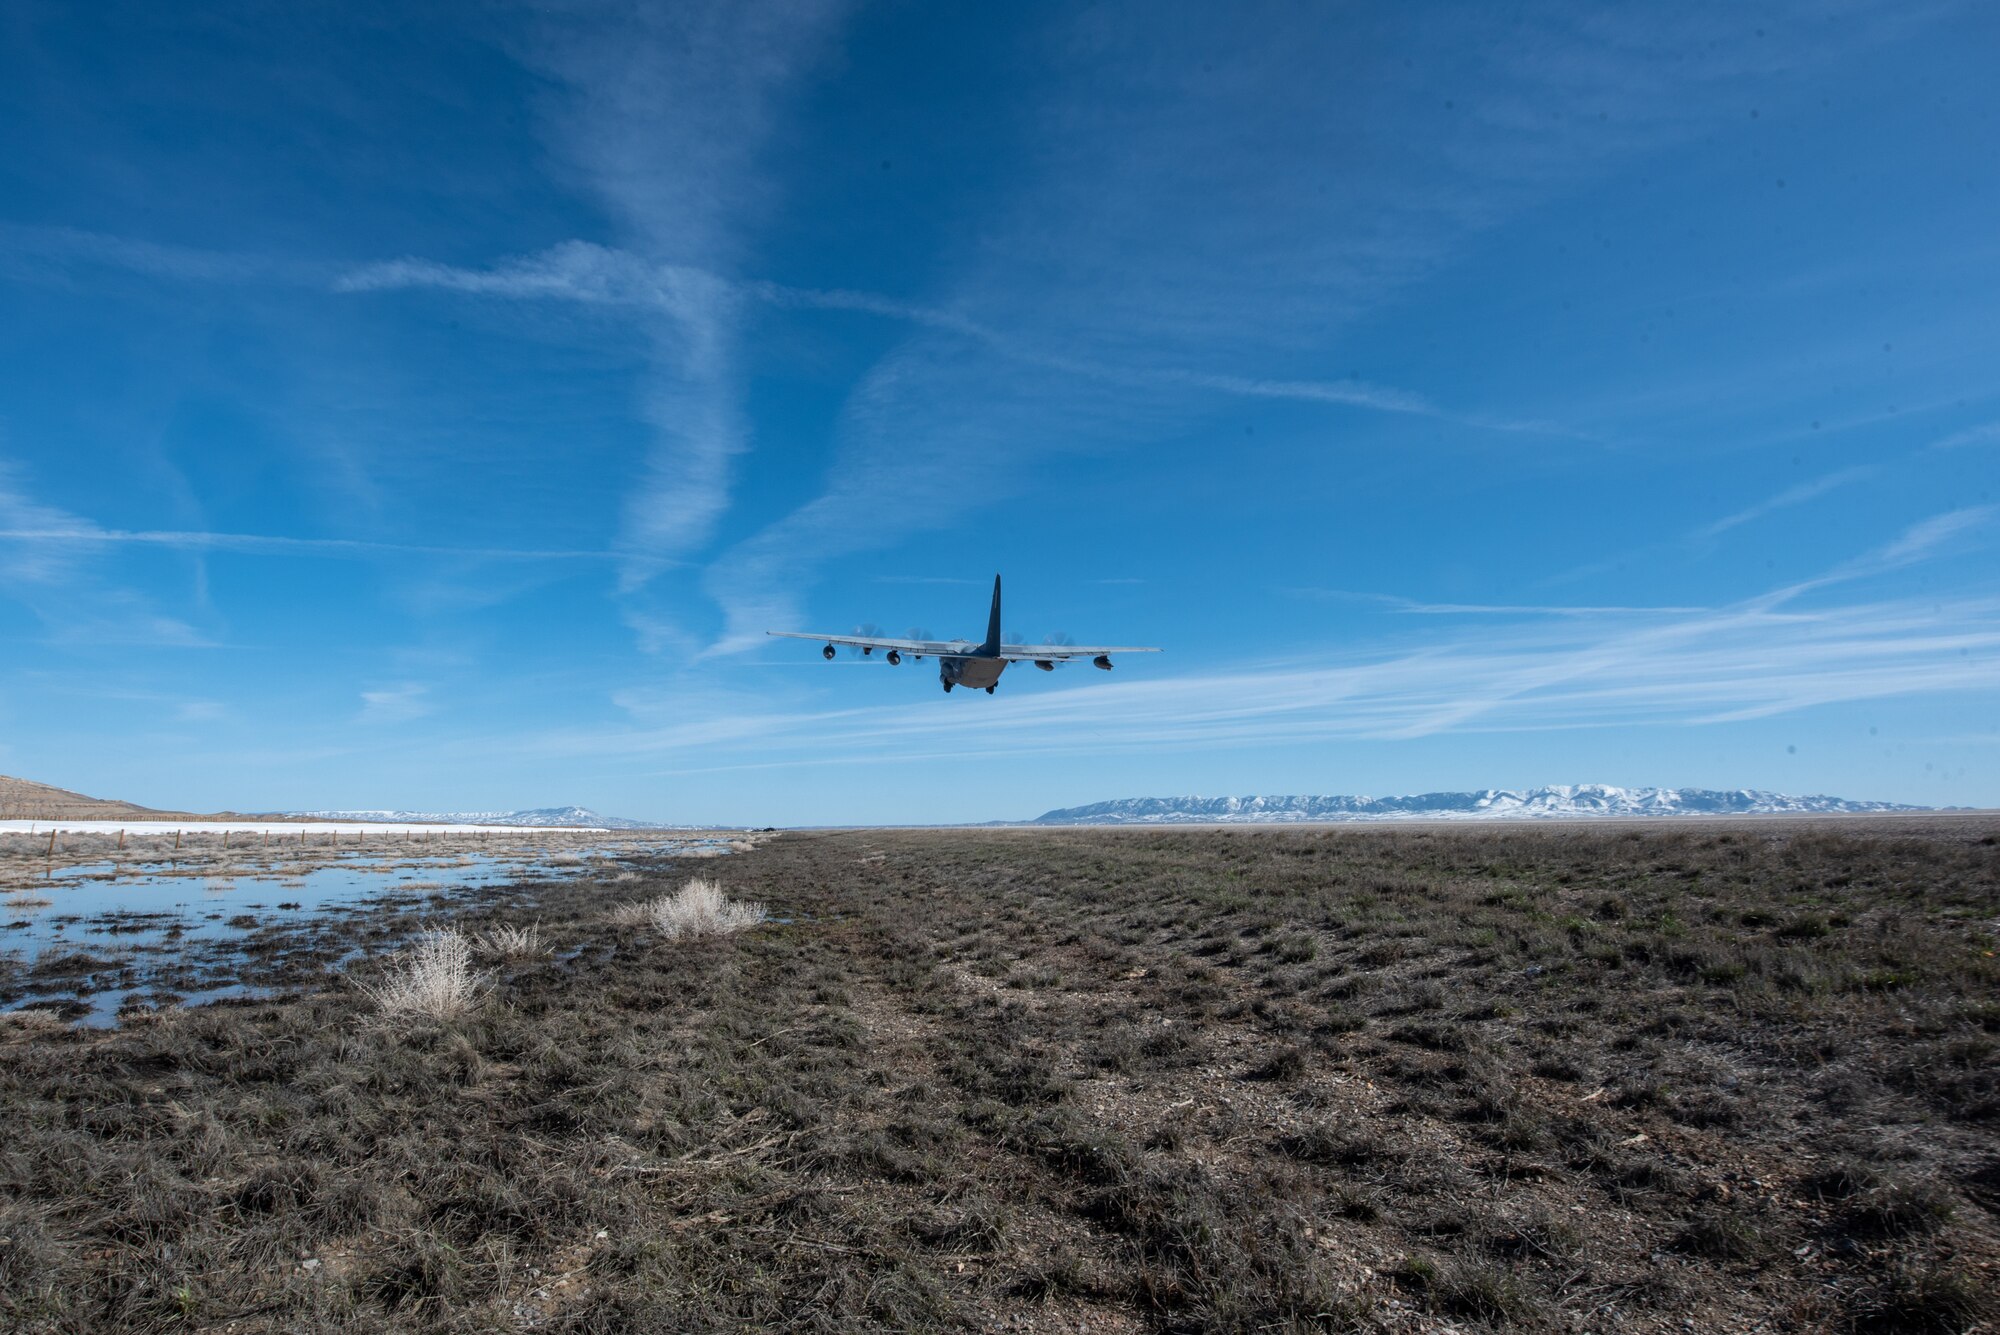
(1055, 638)
(866, 631)
(917, 633)
(1060, 637)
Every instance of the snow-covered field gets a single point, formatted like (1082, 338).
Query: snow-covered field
(275, 827)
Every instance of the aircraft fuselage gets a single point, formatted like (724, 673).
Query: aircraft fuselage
(972, 671)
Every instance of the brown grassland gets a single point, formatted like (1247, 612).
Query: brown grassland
(1667, 1077)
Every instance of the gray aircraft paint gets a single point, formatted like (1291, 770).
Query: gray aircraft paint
(962, 663)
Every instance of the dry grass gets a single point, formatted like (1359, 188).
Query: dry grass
(509, 942)
(697, 909)
(1649, 1081)
(432, 978)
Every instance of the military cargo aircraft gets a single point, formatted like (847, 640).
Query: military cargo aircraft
(963, 663)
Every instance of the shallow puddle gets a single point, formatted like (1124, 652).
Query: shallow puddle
(92, 939)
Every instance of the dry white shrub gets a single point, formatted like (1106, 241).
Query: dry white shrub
(698, 908)
(511, 943)
(433, 978)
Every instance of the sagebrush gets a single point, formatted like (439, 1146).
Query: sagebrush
(698, 908)
(432, 978)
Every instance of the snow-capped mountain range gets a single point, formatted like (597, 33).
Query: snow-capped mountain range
(1559, 801)
(551, 816)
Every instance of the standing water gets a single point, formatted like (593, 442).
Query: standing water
(89, 940)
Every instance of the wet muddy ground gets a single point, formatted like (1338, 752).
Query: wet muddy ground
(147, 925)
(1654, 1079)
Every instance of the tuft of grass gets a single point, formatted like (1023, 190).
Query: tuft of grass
(1842, 1180)
(698, 908)
(508, 942)
(1286, 1064)
(1332, 1146)
(433, 978)
(1898, 1210)
(1917, 1299)
(1297, 949)
(1721, 1235)
(1465, 1289)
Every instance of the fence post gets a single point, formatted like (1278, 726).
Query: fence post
(121, 838)
(52, 843)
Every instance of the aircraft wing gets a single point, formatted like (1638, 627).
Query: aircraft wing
(1056, 653)
(931, 648)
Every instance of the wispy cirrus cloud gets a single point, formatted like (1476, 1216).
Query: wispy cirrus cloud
(663, 112)
(1919, 540)
(23, 561)
(71, 534)
(1915, 543)
(580, 271)
(62, 248)
(180, 708)
(56, 581)
(1199, 225)
(1985, 433)
(1779, 652)
(1416, 607)
(53, 561)
(1719, 668)
(395, 704)
(1784, 500)
(1939, 527)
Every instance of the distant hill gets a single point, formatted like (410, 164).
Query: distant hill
(24, 799)
(553, 817)
(1561, 801)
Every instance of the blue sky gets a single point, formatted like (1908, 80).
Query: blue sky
(435, 411)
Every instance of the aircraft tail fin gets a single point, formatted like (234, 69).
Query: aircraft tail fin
(992, 645)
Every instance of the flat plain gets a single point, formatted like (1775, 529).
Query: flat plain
(1741, 1075)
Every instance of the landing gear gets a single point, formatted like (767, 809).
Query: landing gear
(989, 690)
(947, 688)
